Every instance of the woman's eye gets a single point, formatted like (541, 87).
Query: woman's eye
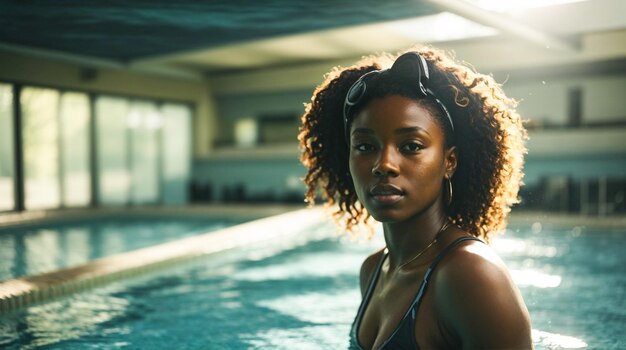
(412, 147)
(363, 147)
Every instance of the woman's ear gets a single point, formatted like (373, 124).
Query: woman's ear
(451, 161)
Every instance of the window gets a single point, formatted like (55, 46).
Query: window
(176, 152)
(7, 158)
(75, 152)
(40, 134)
(112, 118)
(144, 152)
(141, 150)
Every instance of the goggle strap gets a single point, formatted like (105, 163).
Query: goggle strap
(417, 67)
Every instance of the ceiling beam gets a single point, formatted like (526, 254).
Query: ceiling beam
(96, 62)
(505, 23)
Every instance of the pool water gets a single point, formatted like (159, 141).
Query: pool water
(574, 284)
(306, 296)
(35, 250)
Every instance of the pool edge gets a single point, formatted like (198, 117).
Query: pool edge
(19, 293)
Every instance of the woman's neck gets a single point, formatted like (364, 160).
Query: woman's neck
(407, 238)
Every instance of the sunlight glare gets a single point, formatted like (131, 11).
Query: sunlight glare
(557, 341)
(513, 6)
(535, 278)
(443, 26)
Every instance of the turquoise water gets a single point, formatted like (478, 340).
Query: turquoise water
(39, 249)
(306, 296)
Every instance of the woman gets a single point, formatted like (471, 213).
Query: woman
(433, 151)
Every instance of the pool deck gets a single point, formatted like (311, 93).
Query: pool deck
(273, 223)
(237, 211)
(568, 220)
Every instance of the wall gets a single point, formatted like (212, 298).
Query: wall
(546, 101)
(559, 150)
(251, 175)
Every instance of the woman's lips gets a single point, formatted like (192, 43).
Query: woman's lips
(386, 194)
(387, 199)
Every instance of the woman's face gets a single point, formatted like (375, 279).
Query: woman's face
(397, 158)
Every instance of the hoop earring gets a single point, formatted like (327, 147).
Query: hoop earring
(449, 191)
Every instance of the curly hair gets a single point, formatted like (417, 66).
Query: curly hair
(489, 136)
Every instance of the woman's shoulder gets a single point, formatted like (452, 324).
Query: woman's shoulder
(478, 298)
(471, 256)
(368, 267)
(473, 264)
(473, 268)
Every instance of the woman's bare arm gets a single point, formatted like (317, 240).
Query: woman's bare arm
(367, 270)
(479, 301)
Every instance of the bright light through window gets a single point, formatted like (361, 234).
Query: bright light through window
(246, 132)
(511, 6)
(7, 171)
(443, 26)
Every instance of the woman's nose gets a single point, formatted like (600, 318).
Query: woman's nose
(386, 164)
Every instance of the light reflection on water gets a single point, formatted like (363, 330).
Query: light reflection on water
(556, 341)
(76, 244)
(64, 320)
(35, 250)
(533, 278)
(517, 246)
(42, 250)
(306, 298)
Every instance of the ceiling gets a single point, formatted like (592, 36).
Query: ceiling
(129, 30)
(188, 38)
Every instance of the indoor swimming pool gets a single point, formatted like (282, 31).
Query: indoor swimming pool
(43, 248)
(304, 295)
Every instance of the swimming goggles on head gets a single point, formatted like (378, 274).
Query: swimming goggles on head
(409, 68)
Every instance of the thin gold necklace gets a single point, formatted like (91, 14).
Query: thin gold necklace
(443, 228)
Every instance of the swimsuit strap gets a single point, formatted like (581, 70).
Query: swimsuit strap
(411, 313)
(431, 268)
(368, 294)
(407, 324)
